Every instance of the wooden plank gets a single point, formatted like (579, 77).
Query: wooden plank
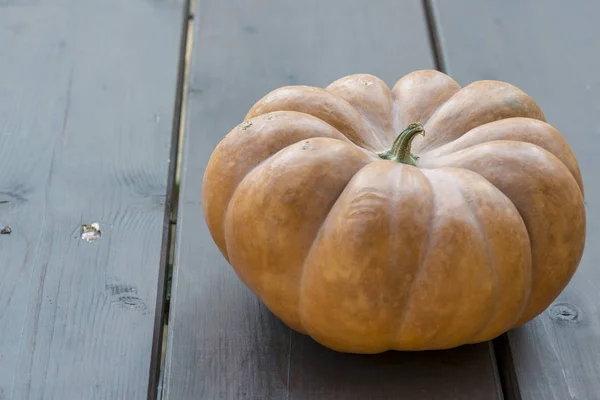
(550, 50)
(222, 342)
(87, 94)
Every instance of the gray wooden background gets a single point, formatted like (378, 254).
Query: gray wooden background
(91, 99)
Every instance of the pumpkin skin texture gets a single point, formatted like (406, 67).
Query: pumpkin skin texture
(475, 233)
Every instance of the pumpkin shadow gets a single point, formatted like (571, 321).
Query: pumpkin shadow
(315, 371)
(236, 348)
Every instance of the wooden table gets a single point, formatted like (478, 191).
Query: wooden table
(96, 108)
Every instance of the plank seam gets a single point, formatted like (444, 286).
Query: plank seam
(506, 368)
(434, 37)
(170, 212)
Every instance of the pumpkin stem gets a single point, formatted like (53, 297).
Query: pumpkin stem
(400, 150)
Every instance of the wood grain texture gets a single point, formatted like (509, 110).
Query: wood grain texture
(87, 92)
(222, 342)
(550, 50)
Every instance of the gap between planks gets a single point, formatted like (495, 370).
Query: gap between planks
(171, 205)
(434, 37)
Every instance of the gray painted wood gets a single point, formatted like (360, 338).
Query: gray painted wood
(222, 343)
(550, 50)
(87, 93)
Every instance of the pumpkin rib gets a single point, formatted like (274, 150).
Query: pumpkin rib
(427, 91)
(371, 98)
(246, 175)
(519, 315)
(319, 103)
(505, 154)
(309, 253)
(456, 331)
(371, 125)
(528, 235)
(358, 208)
(461, 185)
(265, 254)
(521, 129)
(393, 223)
(421, 268)
(226, 150)
(317, 238)
(527, 229)
(248, 172)
(491, 259)
(476, 104)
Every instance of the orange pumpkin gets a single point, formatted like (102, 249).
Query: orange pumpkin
(427, 216)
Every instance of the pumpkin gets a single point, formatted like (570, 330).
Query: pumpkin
(424, 217)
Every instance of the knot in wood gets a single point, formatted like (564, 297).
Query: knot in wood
(564, 312)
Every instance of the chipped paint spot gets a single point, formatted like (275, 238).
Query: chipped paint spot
(91, 233)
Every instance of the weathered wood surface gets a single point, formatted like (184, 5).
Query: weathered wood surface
(222, 343)
(87, 93)
(549, 48)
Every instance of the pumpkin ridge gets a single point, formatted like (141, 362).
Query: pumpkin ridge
(393, 223)
(527, 229)
(333, 85)
(470, 171)
(466, 110)
(555, 136)
(260, 138)
(228, 206)
(372, 99)
(256, 166)
(418, 95)
(270, 103)
(517, 149)
(420, 269)
(370, 124)
(428, 159)
(306, 258)
(366, 121)
(282, 298)
(531, 287)
(314, 243)
(491, 259)
(266, 159)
